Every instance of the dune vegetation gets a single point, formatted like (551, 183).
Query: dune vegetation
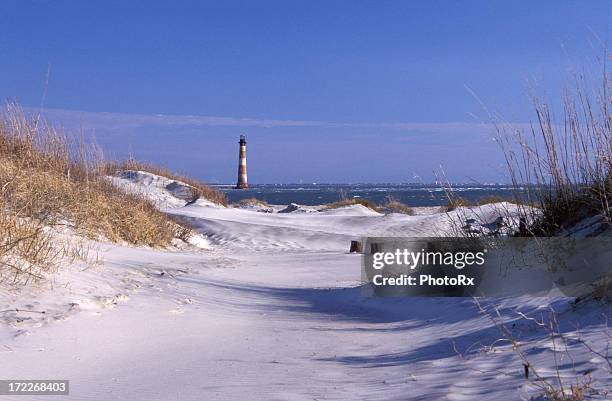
(568, 162)
(48, 184)
(393, 205)
(246, 202)
(353, 201)
(200, 190)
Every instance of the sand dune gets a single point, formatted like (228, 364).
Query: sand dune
(272, 311)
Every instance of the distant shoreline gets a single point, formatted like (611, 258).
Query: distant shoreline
(413, 195)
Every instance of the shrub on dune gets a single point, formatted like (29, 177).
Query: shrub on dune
(455, 202)
(395, 206)
(251, 202)
(570, 163)
(355, 201)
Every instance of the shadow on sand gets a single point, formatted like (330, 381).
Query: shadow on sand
(471, 330)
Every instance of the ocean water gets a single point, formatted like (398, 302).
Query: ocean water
(317, 194)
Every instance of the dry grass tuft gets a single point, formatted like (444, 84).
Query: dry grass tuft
(570, 162)
(455, 202)
(554, 384)
(395, 206)
(575, 392)
(26, 249)
(252, 202)
(346, 201)
(355, 201)
(47, 183)
(487, 200)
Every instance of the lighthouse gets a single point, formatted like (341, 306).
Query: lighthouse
(242, 169)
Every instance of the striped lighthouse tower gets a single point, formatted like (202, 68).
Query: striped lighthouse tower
(242, 169)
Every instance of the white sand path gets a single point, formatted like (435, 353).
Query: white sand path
(272, 312)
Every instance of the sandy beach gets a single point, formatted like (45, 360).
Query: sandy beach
(268, 306)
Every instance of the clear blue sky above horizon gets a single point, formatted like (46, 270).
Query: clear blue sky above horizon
(326, 91)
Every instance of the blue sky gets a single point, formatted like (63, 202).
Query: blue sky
(326, 91)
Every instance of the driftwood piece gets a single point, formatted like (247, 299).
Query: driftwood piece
(356, 247)
(376, 247)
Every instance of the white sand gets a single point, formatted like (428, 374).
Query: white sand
(272, 312)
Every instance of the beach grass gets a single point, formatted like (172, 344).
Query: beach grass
(393, 205)
(354, 201)
(48, 183)
(251, 202)
(200, 189)
(568, 163)
(454, 202)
